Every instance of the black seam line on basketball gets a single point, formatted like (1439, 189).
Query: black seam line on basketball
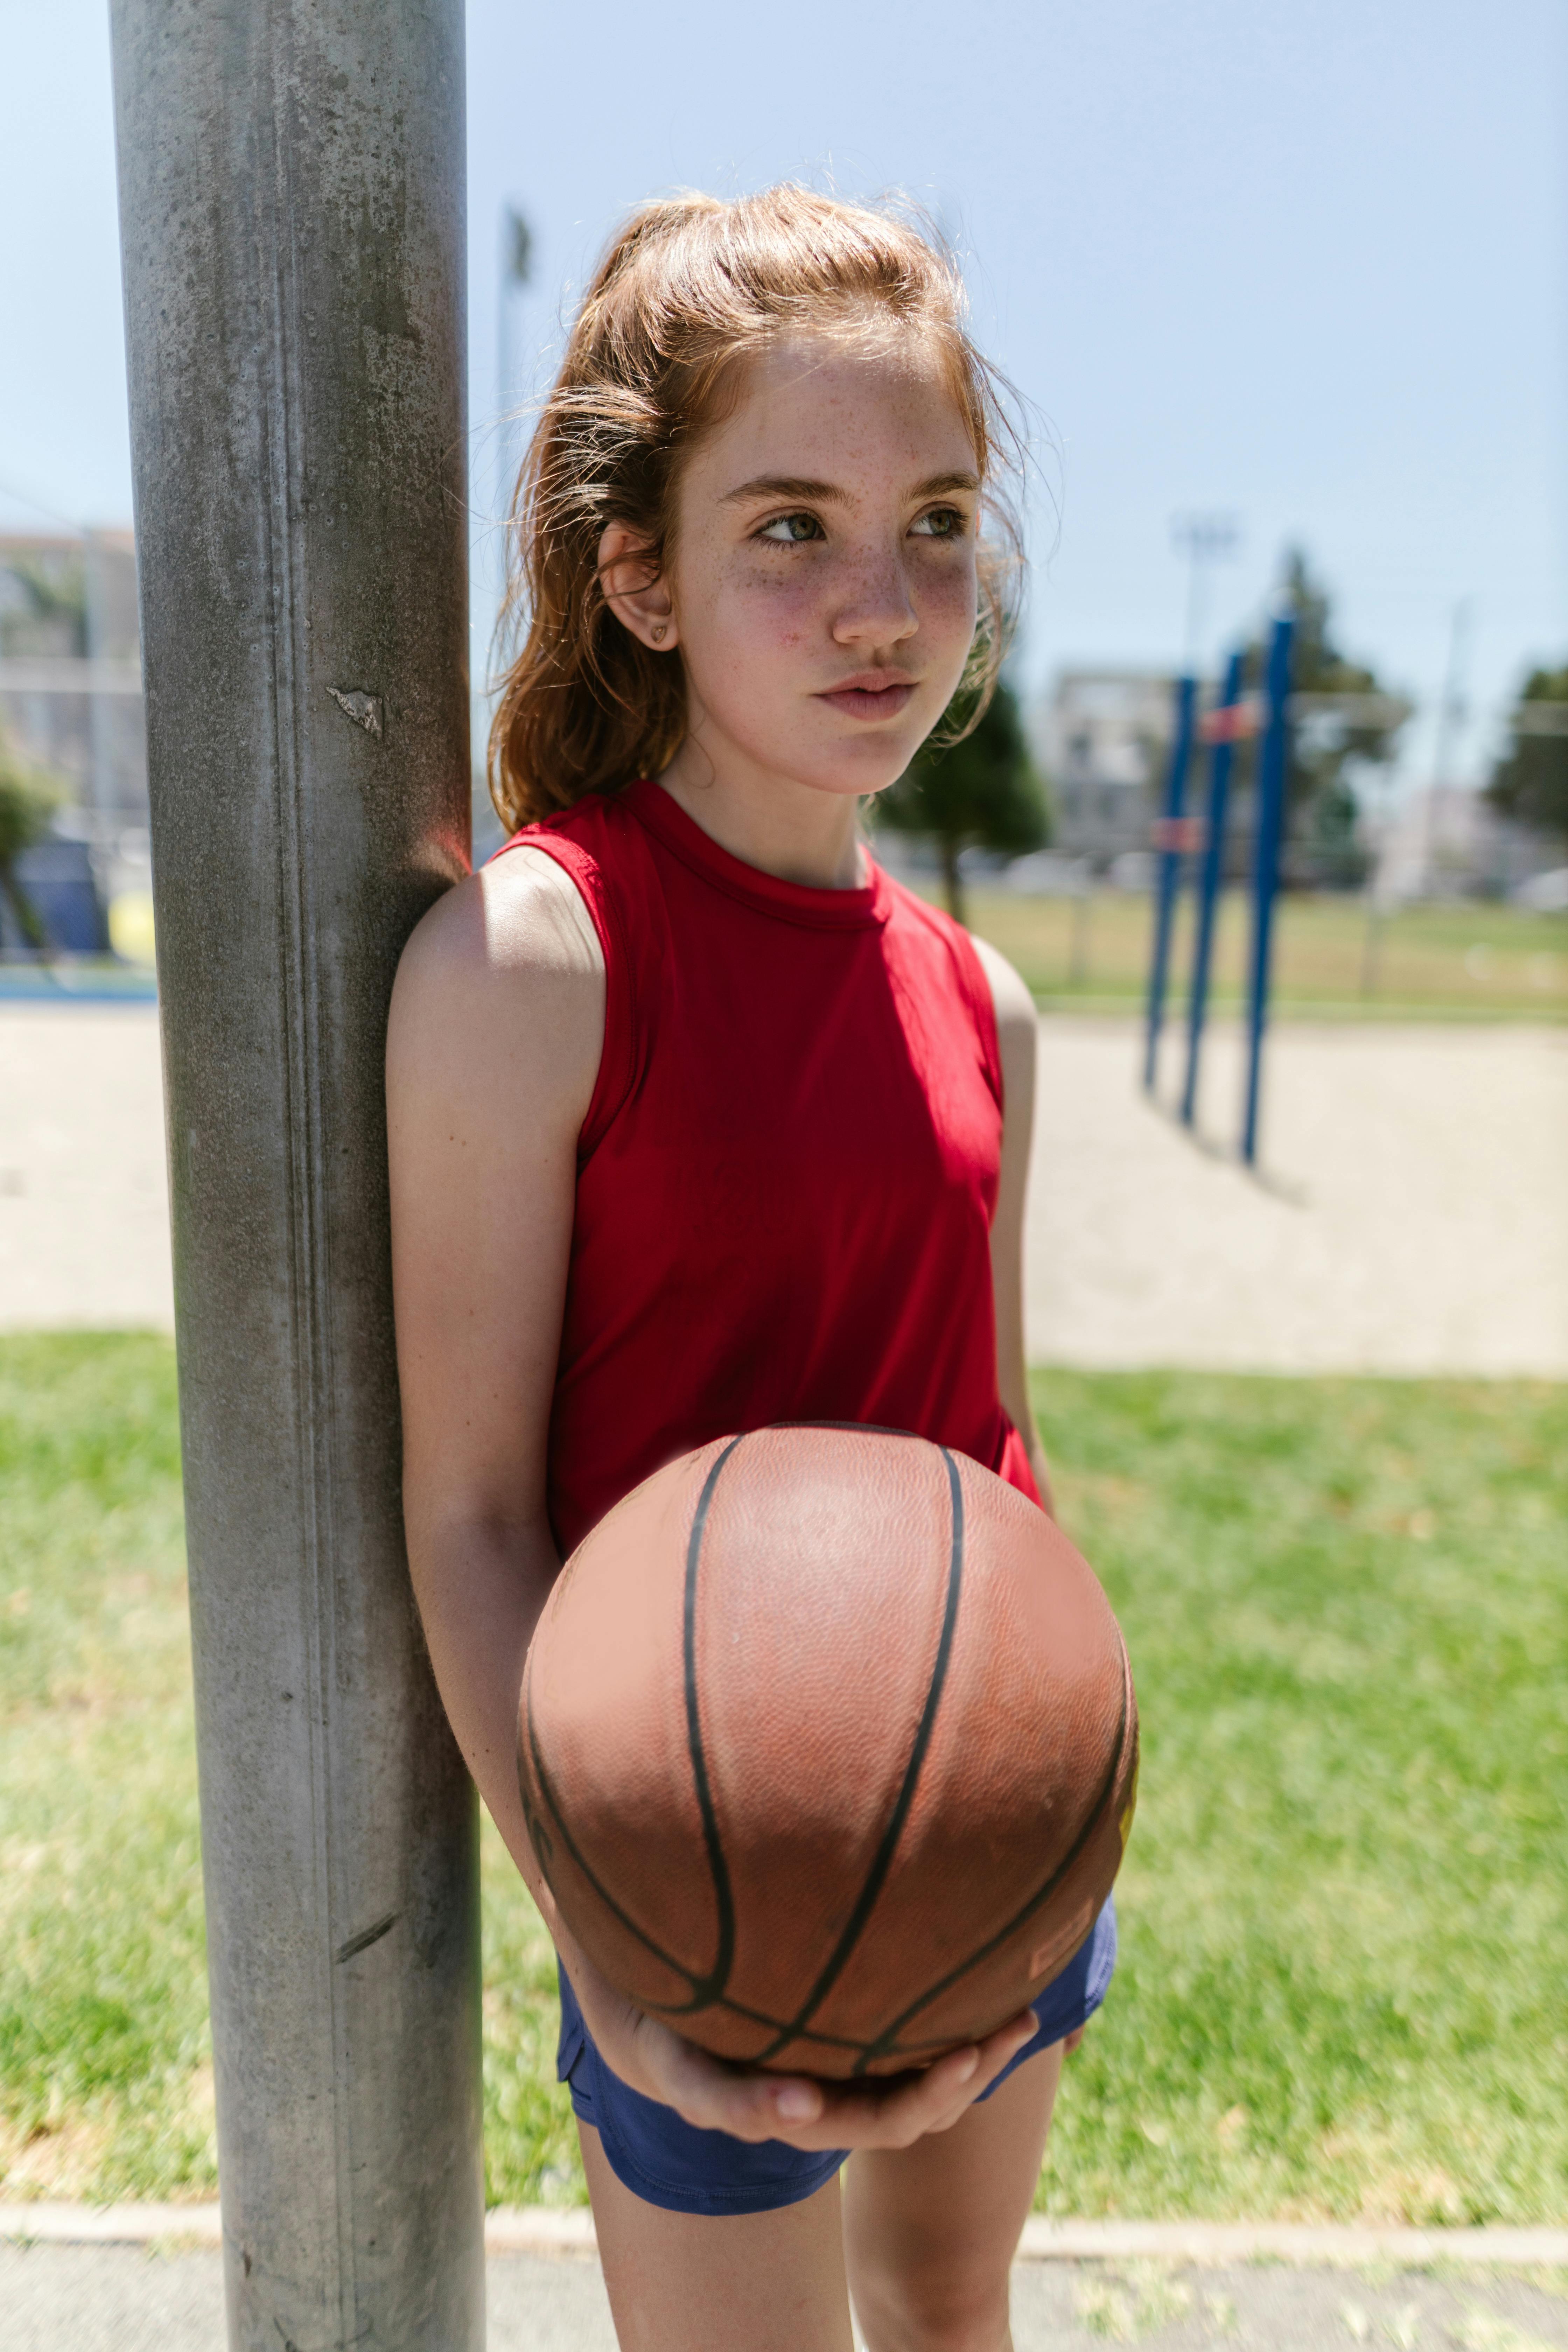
(700, 1998)
(882, 1860)
(600, 1889)
(708, 1988)
(888, 2039)
(760, 2017)
(912, 2050)
(776, 2025)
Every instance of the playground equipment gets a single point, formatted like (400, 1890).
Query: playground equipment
(291, 206)
(1222, 739)
(1178, 838)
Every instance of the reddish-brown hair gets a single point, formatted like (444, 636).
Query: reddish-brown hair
(691, 287)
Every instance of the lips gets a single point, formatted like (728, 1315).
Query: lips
(870, 697)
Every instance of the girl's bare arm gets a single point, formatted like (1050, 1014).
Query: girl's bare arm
(1017, 1035)
(496, 1029)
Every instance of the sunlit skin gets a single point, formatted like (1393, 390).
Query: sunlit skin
(820, 593)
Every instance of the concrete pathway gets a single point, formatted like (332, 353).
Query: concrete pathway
(84, 1207)
(1412, 1215)
(136, 2299)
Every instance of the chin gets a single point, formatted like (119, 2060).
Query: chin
(861, 768)
(846, 787)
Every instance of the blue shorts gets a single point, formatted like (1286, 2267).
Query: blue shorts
(671, 2163)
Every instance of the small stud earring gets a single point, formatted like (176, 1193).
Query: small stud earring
(657, 633)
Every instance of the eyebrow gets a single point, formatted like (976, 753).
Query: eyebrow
(791, 486)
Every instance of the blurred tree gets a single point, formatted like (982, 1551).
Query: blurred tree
(980, 793)
(1326, 748)
(46, 612)
(1529, 783)
(28, 799)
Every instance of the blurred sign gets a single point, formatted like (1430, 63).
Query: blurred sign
(1178, 836)
(1233, 721)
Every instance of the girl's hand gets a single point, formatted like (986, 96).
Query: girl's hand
(798, 2109)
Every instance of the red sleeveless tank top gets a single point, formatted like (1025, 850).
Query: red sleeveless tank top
(788, 1167)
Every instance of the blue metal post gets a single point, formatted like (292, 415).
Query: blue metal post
(1169, 872)
(1266, 870)
(1222, 756)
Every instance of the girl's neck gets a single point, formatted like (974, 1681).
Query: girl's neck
(783, 828)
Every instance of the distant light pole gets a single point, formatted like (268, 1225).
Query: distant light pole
(516, 270)
(1204, 540)
(490, 530)
(1451, 716)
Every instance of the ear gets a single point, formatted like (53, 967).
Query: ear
(635, 590)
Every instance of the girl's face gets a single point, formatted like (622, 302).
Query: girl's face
(822, 585)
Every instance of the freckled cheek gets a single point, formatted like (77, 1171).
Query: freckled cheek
(948, 596)
(756, 614)
(947, 603)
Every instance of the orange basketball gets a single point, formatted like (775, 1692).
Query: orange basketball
(829, 1748)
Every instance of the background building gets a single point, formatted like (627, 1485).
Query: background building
(1103, 739)
(71, 702)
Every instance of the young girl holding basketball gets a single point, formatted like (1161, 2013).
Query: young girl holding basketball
(699, 1122)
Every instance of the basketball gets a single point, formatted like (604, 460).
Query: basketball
(829, 1748)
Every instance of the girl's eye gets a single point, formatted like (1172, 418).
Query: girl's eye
(940, 522)
(791, 531)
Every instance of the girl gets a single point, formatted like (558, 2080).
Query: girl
(699, 1121)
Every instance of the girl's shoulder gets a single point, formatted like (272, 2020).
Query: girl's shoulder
(577, 888)
(496, 938)
(503, 974)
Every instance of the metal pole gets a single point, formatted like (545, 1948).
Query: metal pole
(1167, 833)
(1266, 869)
(1450, 718)
(1222, 756)
(291, 204)
(516, 268)
(1204, 539)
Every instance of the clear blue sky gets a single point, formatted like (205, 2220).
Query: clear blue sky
(1303, 264)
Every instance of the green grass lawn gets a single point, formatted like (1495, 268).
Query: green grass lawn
(1474, 962)
(1344, 1977)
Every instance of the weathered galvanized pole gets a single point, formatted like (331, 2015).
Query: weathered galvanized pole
(292, 202)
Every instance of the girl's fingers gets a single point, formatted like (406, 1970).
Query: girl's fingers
(906, 2110)
(812, 2115)
(715, 2097)
(933, 2101)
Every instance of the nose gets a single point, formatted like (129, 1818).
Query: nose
(877, 607)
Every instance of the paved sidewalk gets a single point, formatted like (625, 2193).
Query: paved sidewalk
(135, 2299)
(1412, 1216)
(84, 1207)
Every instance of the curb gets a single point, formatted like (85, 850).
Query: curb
(1212, 2245)
(1209, 2245)
(110, 2225)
